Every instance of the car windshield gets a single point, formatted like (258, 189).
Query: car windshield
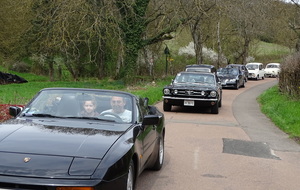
(272, 66)
(200, 78)
(81, 104)
(252, 67)
(198, 69)
(228, 71)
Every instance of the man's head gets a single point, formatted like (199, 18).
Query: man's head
(117, 104)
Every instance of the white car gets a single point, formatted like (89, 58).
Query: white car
(272, 70)
(256, 71)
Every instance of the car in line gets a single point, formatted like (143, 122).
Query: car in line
(272, 70)
(243, 69)
(256, 70)
(193, 89)
(48, 145)
(232, 77)
(201, 68)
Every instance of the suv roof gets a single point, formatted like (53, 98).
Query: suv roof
(201, 68)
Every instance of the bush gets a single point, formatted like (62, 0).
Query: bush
(289, 77)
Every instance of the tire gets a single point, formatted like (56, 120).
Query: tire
(160, 155)
(243, 85)
(237, 85)
(215, 109)
(220, 103)
(167, 107)
(130, 183)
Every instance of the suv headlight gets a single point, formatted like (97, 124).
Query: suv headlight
(213, 93)
(167, 91)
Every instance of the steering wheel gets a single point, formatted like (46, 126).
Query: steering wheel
(112, 114)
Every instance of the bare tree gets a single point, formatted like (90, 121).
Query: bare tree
(247, 19)
(199, 14)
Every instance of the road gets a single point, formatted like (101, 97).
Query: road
(237, 149)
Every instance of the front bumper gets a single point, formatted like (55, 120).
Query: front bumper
(252, 76)
(28, 183)
(270, 74)
(228, 84)
(190, 102)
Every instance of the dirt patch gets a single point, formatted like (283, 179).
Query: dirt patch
(4, 111)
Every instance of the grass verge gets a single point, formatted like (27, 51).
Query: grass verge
(283, 111)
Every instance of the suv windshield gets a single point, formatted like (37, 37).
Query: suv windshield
(194, 78)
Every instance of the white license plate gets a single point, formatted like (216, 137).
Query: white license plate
(189, 102)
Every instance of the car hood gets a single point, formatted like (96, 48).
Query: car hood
(192, 86)
(227, 76)
(52, 148)
(271, 70)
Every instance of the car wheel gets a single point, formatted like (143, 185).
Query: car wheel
(130, 177)
(220, 103)
(167, 107)
(215, 109)
(237, 85)
(160, 155)
(243, 85)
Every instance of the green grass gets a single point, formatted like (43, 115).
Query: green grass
(283, 111)
(268, 52)
(22, 93)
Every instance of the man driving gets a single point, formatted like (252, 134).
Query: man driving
(118, 107)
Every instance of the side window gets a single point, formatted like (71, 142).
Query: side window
(260, 67)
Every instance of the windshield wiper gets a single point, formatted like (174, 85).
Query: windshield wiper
(92, 118)
(43, 115)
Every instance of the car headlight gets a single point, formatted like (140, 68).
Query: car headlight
(213, 93)
(167, 91)
(232, 80)
(175, 91)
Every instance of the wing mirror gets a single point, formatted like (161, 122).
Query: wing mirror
(150, 120)
(14, 110)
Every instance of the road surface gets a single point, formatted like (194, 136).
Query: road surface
(237, 149)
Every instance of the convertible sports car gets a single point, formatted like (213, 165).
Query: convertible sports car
(50, 145)
(193, 89)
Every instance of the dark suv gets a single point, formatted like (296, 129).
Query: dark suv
(201, 68)
(243, 69)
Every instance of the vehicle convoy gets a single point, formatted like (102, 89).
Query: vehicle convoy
(83, 139)
(193, 89)
(272, 70)
(232, 77)
(256, 71)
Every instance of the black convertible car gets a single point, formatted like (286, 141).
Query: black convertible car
(193, 89)
(54, 144)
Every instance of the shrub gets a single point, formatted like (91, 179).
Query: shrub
(289, 77)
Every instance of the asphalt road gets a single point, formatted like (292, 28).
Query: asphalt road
(237, 149)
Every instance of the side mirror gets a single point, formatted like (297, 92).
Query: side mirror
(150, 120)
(14, 110)
(146, 102)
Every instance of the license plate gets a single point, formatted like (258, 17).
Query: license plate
(189, 102)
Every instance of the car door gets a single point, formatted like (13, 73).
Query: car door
(148, 135)
(261, 71)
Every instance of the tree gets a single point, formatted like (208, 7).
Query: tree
(14, 21)
(199, 14)
(248, 19)
(135, 17)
